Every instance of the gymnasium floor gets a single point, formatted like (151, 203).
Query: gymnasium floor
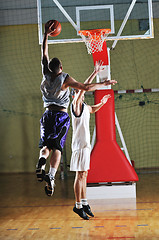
(26, 213)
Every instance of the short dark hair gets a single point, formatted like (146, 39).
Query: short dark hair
(55, 65)
(73, 91)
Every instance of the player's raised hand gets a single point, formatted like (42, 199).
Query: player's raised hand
(105, 98)
(98, 66)
(49, 27)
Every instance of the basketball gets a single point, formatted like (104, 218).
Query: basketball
(56, 28)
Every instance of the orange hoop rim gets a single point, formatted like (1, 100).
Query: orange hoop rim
(95, 32)
(94, 39)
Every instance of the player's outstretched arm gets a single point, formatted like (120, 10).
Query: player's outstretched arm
(97, 69)
(48, 29)
(70, 82)
(44, 49)
(95, 108)
(89, 80)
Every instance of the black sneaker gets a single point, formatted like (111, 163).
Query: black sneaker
(81, 213)
(87, 209)
(50, 183)
(40, 173)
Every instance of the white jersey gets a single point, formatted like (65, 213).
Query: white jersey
(80, 159)
(80, 125)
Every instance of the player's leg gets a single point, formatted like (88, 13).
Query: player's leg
(84, 184)
(78, 208)
(50, 177)
(56, 144)
(44, 150)
(77, 188)
(85, 204)
(40, 167)
(53, 131)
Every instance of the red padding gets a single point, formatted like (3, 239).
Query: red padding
(103, 55)
(108, 162)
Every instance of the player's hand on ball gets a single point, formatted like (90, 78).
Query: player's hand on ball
(105, 98)
(49, 27)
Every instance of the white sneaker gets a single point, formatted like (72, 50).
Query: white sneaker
(50, 184)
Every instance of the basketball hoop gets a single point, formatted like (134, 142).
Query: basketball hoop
(94, 39)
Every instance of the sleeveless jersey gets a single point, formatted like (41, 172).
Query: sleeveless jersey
(51, 90)
(80, 125)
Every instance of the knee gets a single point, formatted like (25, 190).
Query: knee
(44, 150)
(82, 175)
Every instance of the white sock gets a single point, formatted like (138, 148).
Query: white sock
(43, 167)
(78, 205)
(84, 202)
(52, 171)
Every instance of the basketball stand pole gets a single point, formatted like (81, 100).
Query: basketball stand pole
(100, 194)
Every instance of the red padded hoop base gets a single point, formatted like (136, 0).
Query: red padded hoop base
(108, 162)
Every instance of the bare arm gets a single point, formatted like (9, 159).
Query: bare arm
(89, 80)
(44, 49)
(44, 54)
(97, 69)
(95, 108)
(70, 82)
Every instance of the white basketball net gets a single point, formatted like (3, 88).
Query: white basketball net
(94, 42)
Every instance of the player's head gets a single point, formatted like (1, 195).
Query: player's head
(74, 92)
(55, 65)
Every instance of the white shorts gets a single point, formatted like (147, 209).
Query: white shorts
(80, 160)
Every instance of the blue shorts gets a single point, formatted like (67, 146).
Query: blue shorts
(54, 127)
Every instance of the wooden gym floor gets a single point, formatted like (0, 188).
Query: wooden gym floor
(26, 213)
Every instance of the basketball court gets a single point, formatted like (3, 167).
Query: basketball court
(122, 183)
(28, 215)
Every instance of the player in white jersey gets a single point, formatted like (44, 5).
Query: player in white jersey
(80, 159)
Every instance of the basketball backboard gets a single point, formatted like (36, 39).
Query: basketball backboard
(127, 19)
